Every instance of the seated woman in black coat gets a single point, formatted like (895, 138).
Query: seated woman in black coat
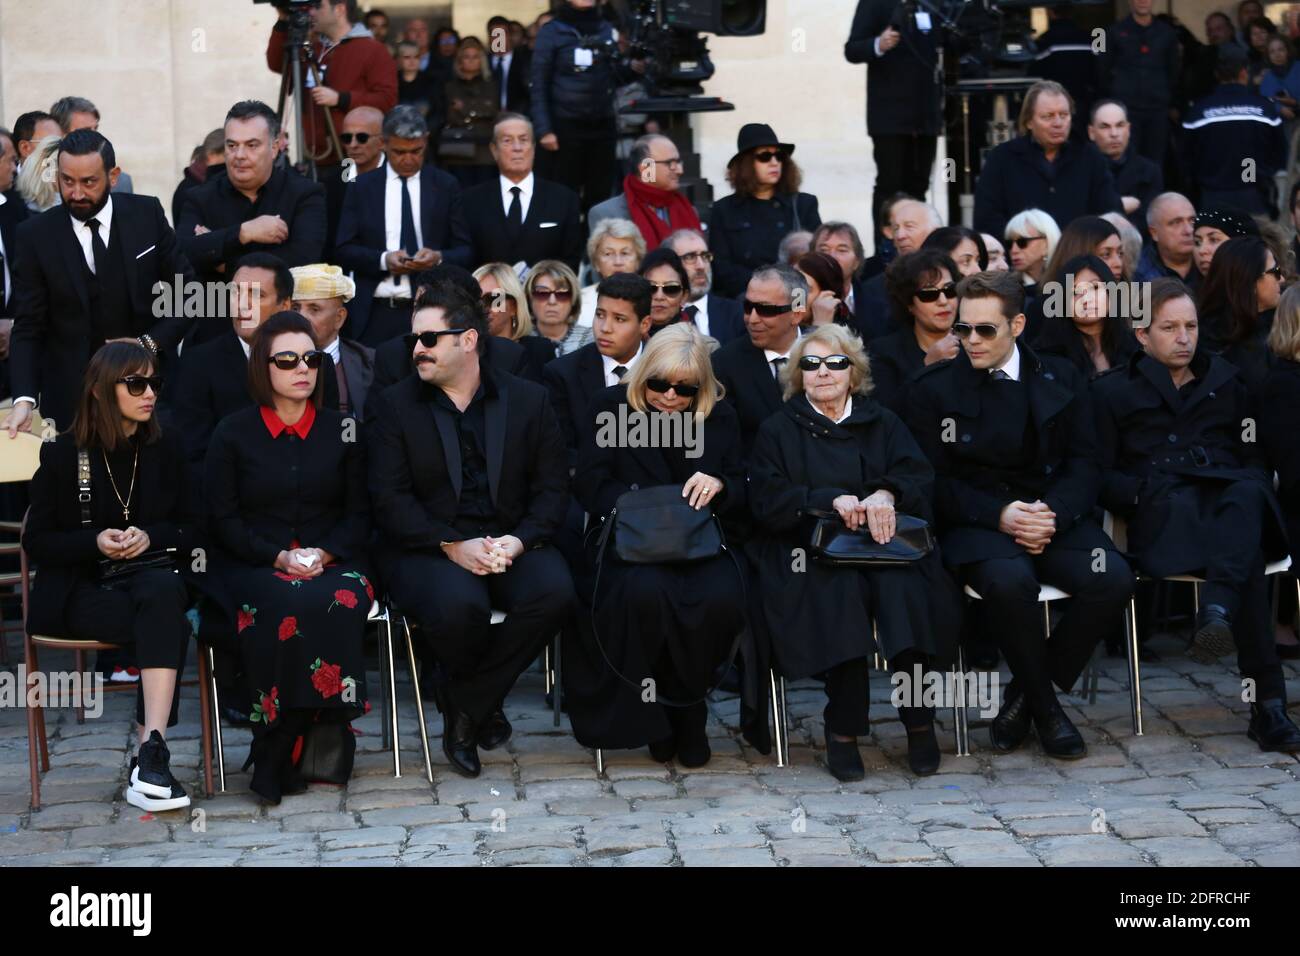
(286, 491)
(1081, 323)
(832, 447)
(1236, 304)
(671, 623)
(923, 299)
(746, 228)
(138, 508)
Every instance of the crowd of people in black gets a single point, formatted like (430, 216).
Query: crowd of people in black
(404, 392)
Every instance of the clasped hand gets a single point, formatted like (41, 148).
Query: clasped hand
(1031, 523)
(122, 545)
(876, 511)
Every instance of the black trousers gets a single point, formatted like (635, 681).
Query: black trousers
(903, 164)
(1009, 587)
(848, 694)
(453, 606)
(1150, 133)
(584, 162)
(147, 612)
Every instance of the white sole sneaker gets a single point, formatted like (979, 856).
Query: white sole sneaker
(155, 804)
(148, 789)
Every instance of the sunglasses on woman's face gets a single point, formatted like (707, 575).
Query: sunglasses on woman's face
(836, 363)
(767, 155)
(427, 339)
(1275, 272)
(361, 138)
(948, 291)
(288, 361)
(661, 386)
(766, 310)
(986, 330)
(1023, 242)
(559, 295)
(135, 384)
(670, 289)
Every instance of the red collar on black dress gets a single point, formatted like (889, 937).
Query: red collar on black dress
(299, 428)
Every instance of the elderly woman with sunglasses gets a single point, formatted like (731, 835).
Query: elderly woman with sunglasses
(286, 488)
(833, 448)
(552, 290)
(672, 623)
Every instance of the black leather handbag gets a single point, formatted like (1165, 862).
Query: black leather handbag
(830, 542)
(328, 751)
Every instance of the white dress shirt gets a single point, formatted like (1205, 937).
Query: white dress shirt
(525, 195)
(82, 231)
(332, 350)
(702, 313)
(248, 349)
(1012, 365)
(610, 365)
(398, 287)
(848, 410)
(770, 355)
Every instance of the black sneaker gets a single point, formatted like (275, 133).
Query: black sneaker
(152, 786)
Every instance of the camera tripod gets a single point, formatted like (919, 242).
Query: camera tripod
(297, 51)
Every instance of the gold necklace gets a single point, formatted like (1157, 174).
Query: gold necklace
(126, 505)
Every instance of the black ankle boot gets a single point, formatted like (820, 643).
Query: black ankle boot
(922, 745)
(688, 734)
(1272, 728)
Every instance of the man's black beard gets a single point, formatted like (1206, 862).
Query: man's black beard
(92, 213)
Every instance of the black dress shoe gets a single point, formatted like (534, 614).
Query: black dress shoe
(1212, 638)
(1011, 726)
(1058, 736)
(662, 751)
(495, 731)
(1272, 728)
(689, 737)
(923, 750)
(843, 759)
(459, 743)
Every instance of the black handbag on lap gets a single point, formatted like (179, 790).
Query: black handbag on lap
(830, 542)
(113, 570)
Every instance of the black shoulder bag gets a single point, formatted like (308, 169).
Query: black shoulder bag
(112, 570)
(830, 542)
(658, 526)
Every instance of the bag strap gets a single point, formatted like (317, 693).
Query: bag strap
(602, 545)
(83, 485)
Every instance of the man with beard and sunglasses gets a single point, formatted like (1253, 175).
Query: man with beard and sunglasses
(83, 275)
(469, 477)
(1014, 448)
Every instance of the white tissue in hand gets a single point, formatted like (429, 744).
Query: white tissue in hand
(306, 560)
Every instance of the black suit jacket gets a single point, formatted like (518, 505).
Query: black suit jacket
(211, 382)
(363, 239)
(872, 316)
(751, 388)
(12, 213)
(53, 335)
(415, 465)
(726, 318)
(392, 363)
(574, 381)
(518, 91)
(550, 230)
(358, 372)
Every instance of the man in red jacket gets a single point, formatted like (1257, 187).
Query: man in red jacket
(356, 70)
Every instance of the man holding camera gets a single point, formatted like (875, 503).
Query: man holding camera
(355, 69)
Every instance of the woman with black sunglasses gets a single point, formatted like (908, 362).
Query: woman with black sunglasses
(553, 296)
(923, 296)
(289, 512)
(671, 283)
(833, 448)
(138, 510)
(1236, 305)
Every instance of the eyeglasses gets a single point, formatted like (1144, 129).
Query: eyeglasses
(986, 330)
(767, 155)
(836, 363)
(288, 361)
(675, 162)
(559, 295)
(361, 138)
(428, 339)
(766, 310)
(1023, 241)
(696, 257)
(670, 289)
(948, 291)
(661, 386)
(1276, 272)
(135, 384)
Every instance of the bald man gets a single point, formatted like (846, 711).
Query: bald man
(1171, 221)
(362, 138)
(911, 222)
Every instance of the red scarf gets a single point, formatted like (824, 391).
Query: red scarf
(643, 199)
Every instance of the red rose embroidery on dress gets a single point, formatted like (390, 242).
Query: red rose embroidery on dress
(268, 707)
(345, 597)
(327, 679)
(244, 617)
(288, 628)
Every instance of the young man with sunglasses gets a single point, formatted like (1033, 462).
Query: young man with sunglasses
(469, 479)
(1178, 462)
(1013, 443)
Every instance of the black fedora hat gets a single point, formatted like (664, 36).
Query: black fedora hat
(758, 134)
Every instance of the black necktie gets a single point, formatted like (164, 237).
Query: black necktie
(499, 74)
(776, 364)
(620, 371)
(515, 214)
(408, 222)
(3, 291)
(691, 312)
(98, 248)
(1000, 376)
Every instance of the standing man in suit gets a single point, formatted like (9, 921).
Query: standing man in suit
(469, 481)
(84, 275)
(1014, 447)
(712, 314)
(256, 207)
(12, 211)
(397, 221)
(319, 293)
(510, 66)
(519, 217)
(749, 367)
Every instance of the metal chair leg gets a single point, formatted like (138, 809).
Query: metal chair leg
(960, 703)
(216, 720)
(1047, 619)
(391, 680)
(419, 703)
(1134, 666)
(778, 718)
(81, 705)
(35, 733)
(548, 675)
(385, 642)
(558, 686)
(205, 721)
(1196, 597)
(600, 762)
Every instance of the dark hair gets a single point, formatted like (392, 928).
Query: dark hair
(5, 134)
(62, 109)
(1006, 286)
(497, 20)
(743, 179)
(461, 309)
(1265, 24)
(249, 109)
(374, 12)
(836, 226)
(1060, 336)
(1295, 188)
(446, 272)
(908, 273)
(824, 270)
(25, 125)
(1166, 289)
(1228, 64)
(1080, 238)
(1227, 297)
(259, 357)
(1223, 16)
(98, 419)
(273, 264)
(83, 142)
(949, 238)
(665, 257)
(1105, 101)
(353, 10)
(439, 34)
(630, 288)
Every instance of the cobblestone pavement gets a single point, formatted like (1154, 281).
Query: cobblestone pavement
(1192, 791)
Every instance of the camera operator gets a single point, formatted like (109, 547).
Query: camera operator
(899, 43)
(356, 70)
